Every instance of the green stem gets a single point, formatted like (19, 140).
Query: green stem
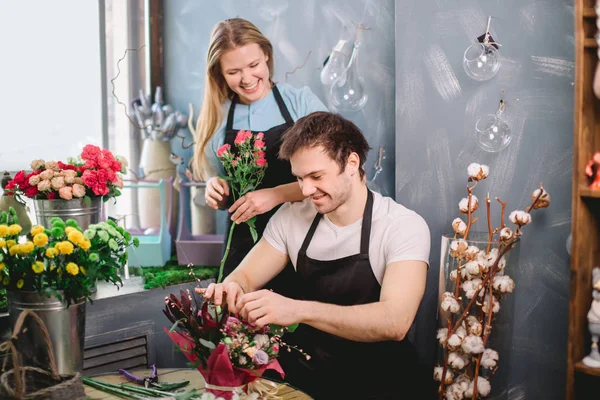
(109, 389)
(233, 224)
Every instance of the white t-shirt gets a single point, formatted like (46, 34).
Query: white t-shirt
(397, 234)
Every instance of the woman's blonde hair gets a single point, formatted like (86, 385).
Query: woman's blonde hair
(225, 36)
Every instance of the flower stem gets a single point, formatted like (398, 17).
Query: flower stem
(233, 224)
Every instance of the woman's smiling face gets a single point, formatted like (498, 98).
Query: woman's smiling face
(246, 72)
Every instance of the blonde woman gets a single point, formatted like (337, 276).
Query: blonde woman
(240, 94)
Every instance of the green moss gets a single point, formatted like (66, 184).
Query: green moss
(172, 274)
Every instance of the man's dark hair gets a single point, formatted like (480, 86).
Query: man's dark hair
(338, 136)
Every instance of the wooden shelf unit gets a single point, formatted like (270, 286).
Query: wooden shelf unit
(585, 224)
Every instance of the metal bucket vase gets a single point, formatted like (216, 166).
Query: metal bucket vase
(76, 209)
(66, 327)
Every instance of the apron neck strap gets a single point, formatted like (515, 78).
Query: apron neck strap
(280, 104)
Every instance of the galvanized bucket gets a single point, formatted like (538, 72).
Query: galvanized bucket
(74, 209)
(66, 327)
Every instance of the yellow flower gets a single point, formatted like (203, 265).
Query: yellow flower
(40, 239)
(75, 236)
(51, 252)
(2, 243)
(85, 244)
(65, 247)
(10, 243)
(36, 229)
(3, 230)
(27, 247)
(70, 229)
(16, 249)
(20, 283)
(82, 270)
(14, 229)
(37, 267)
(72, 268)
(6, 281)
(52, 267)
(2, 266)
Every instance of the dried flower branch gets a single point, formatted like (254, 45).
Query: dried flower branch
(480, 283)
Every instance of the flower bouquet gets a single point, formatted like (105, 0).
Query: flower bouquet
(60, 260)
(95, 173)
(478, 282)
(229, 353)
(245, 171)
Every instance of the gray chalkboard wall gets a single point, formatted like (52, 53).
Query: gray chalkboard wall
(422, 108)
(437, 107)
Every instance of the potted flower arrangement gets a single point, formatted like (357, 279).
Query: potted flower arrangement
(475, 282)
(83, 183)
(229, 353)
(54, 269)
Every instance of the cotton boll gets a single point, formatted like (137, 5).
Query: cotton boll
(449, 303)
(459, 226)
(463, 382)
(506, 234)
(477, 172)
(454, 342)
(486, 304)
(483, 388)
(472, 268)
(471, 253)
(475, 327)
(503, 284)
(473, 344)
(544, 199)
(437, 375)
(463, 206)
(457, 360)
(454, 392)
(458, 248)
(442, 335)
(471, 287)
(453, 275)
(489, 358)
(520, 217)
(461, 331)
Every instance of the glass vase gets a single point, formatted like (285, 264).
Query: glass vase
(348, 92)
(466, 348)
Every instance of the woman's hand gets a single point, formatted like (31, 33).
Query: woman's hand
(254, 203)
(217, 191)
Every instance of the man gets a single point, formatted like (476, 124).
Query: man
(361, 261)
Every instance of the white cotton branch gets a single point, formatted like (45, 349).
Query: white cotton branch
(449, 303)
(475, 327)
(437, 375)
(489, 358)
(483, 388)
(473, 344)
(457, 360)
(463, 206)
(486, 304)
(471, 287)
(503, 284)
(459, 226)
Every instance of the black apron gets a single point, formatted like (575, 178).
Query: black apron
(279, 172)
(340, 368)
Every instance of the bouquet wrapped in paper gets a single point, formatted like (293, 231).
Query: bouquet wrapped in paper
(229, 353)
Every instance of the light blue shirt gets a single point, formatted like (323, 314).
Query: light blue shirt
(263, 115)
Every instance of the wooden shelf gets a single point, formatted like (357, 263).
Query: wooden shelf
(581, 367)
(589, 13)
(586, 192)
(590, 43)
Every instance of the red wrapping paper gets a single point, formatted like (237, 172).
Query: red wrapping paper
(219, 370)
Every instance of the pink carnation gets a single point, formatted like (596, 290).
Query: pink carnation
(90, 152)
(53, 165)
(34, 180)
(65, 192)
(78, 190)
(223, 150)
(37, 164)
(260, 136)
(57, 182)
(259, 144)
(44, 185)
(261, 162)
(46, 175)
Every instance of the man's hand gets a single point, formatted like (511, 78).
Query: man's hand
(232, 291)
(217, 191)
(254, 203)
(265, 307)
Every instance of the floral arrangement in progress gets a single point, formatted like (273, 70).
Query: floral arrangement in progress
(245, 170)
(60, 260)
(229, 353)
(478, 282)
(95, 173)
